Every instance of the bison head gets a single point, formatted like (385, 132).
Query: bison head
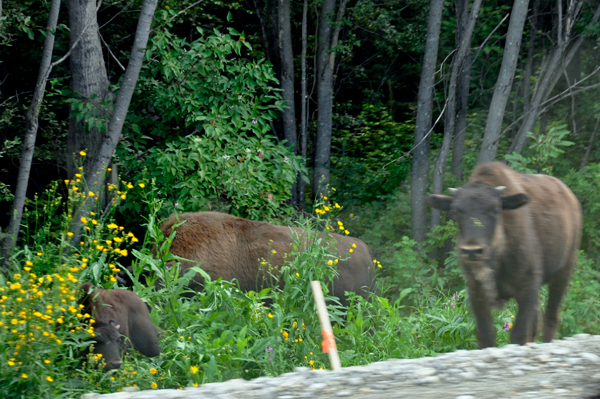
(477, 210)
(108, 343)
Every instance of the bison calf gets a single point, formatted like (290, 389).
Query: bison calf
(230, 247)
(120, 317)
(517, 232)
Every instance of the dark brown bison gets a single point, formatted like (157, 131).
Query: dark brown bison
(516, 233)
(230, 247)
(121, 318)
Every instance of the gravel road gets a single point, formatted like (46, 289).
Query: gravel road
(568, 368)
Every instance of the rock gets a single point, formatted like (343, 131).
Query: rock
(425, 371)
(590, 357)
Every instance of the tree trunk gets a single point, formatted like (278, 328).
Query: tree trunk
(89, 80)
(287, 82)
(551, 72)
(95, 174)
(462, 94)
(493, 127)
(464, 47)
(303, 101)
(420, 164)
(588, 151)
(32, 124)
(530, 54)
(326, 41)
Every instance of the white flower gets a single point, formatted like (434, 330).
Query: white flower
(248, 150)
(286, 159)
(240, 97)
(226, 157)
(254, 121)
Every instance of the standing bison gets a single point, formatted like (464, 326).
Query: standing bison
(231, 247)
(516, 233)
(121, 318)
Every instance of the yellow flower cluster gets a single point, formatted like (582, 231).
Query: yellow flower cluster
(378, 263)
(326, 207)
(37, 311)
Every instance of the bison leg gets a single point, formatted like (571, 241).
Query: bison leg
(525, 328)
(556, 290)
(486, 333)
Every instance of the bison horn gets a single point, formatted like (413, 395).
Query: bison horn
(114, 324)
(500, 189)
(453, 191)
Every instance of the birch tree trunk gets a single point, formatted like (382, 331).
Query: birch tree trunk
(32, 124)
(303, 100)
(95, 174)
(420, 164)
(462, 93)
(551, 71)
(326, 42)
(464, 47)
(89, 80)
(493, 126)
(530, 54)
(287, 82)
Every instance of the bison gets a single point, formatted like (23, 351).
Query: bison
(516, 232)
(121, 318)
(230, 247)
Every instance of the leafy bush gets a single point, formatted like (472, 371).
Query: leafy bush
(369, 154)
(542, 149)
(201, 124)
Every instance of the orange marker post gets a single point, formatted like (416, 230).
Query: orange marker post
(329, 346)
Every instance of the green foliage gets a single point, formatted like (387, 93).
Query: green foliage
(585, 183)
(202, 127)
(580, 311)
(272, 332)
(542, 149)
(368, 154)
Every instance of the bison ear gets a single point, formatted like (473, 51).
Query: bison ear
(114, 324)
(87, 288)
(514, 201)
(441, 202)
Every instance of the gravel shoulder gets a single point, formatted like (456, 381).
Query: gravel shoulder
(568, 368)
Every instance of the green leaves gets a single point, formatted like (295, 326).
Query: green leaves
(543, 148)
(204, 128)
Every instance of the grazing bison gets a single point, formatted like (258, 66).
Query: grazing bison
(120, 317)
(516, 233)
(231, 247)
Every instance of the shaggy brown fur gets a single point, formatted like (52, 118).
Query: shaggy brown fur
(231, 247)
(118, 314)
(516, 233)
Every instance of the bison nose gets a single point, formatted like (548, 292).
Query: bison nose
(113, 364)
(472, 253)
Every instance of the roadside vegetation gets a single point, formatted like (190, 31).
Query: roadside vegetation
(221, 332)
